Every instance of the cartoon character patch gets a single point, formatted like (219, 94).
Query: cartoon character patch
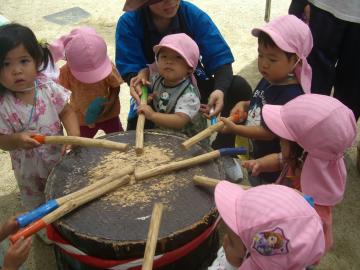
(271, 242)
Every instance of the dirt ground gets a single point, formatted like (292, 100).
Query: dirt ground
(235, 19)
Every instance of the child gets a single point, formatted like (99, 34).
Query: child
(92, 79)
(285, 234)
(29, 104)
(17, 253)
(176, 99)
(283, 45)
(324, 128)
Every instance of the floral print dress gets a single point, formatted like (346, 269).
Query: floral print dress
(32, 167)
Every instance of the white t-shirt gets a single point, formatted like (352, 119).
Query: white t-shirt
(347, 10)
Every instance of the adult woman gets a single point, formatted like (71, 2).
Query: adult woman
(147, 22)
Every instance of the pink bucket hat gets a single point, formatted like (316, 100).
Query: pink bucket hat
(183, 45)
(278, 227)
(325, 128)
(292, 35)
(86, 54)
(131, 5)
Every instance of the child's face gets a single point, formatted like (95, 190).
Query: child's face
(165, 9)
(273, 64)
(235, 250)
(19, 70)
(172, 66)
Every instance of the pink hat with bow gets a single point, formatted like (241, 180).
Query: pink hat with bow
(278, 227)
(86, 54)
(325, 128)
(292, 35)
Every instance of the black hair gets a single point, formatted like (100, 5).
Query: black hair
(265, 40)
(13, 35)
(297, 154)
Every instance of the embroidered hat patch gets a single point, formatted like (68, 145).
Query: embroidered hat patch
(271, 243)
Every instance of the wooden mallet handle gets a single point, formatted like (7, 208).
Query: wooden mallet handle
(152, 236)
(139, 135)
(210, 182)
(210, 130)
(68, 207)
(87, 142)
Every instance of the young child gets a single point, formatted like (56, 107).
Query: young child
(176, 99)
(30, 104)
(324, 128)
(92, 79)
(285, 234)
(11, 258)
(283, 45)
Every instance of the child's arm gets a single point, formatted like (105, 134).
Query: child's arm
(172, 120)
(253, 132)
(18, 252)
(70, 121)
(21, 140)
(269, 163)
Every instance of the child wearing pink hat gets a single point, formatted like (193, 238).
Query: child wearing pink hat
(176, 98)
(270, 227)
(92, 78)
(283, 45)
(324, 128)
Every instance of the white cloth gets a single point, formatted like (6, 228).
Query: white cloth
(221, 263)
(346, 10)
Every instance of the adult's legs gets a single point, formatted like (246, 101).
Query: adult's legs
(347, 82)
(239, 90)
(327, 32)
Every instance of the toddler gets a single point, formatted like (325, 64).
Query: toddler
(92, 79)
(176, 98)
(285, 234)
(30, 104)
(324, 128)
(283, 45)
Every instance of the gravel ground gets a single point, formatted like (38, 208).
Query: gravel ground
(235, 19)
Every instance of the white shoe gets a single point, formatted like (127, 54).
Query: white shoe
(232, 169)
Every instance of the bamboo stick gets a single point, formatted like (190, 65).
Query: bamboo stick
(87, 142)
(152, 236)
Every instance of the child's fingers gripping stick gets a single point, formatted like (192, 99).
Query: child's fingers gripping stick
(17, 253)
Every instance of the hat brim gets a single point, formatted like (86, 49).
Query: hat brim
(95, 75)
(157, 48)
(273, 120)
(226, 195)
(278, 40)
(132, 5)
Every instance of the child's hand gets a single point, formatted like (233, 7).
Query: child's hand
(146, 110)
(66, 148)
(11, 226)
(136, 82)
(252, 165)
(25, 141)
(230, 126)
(240, 108)
(17, 254)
